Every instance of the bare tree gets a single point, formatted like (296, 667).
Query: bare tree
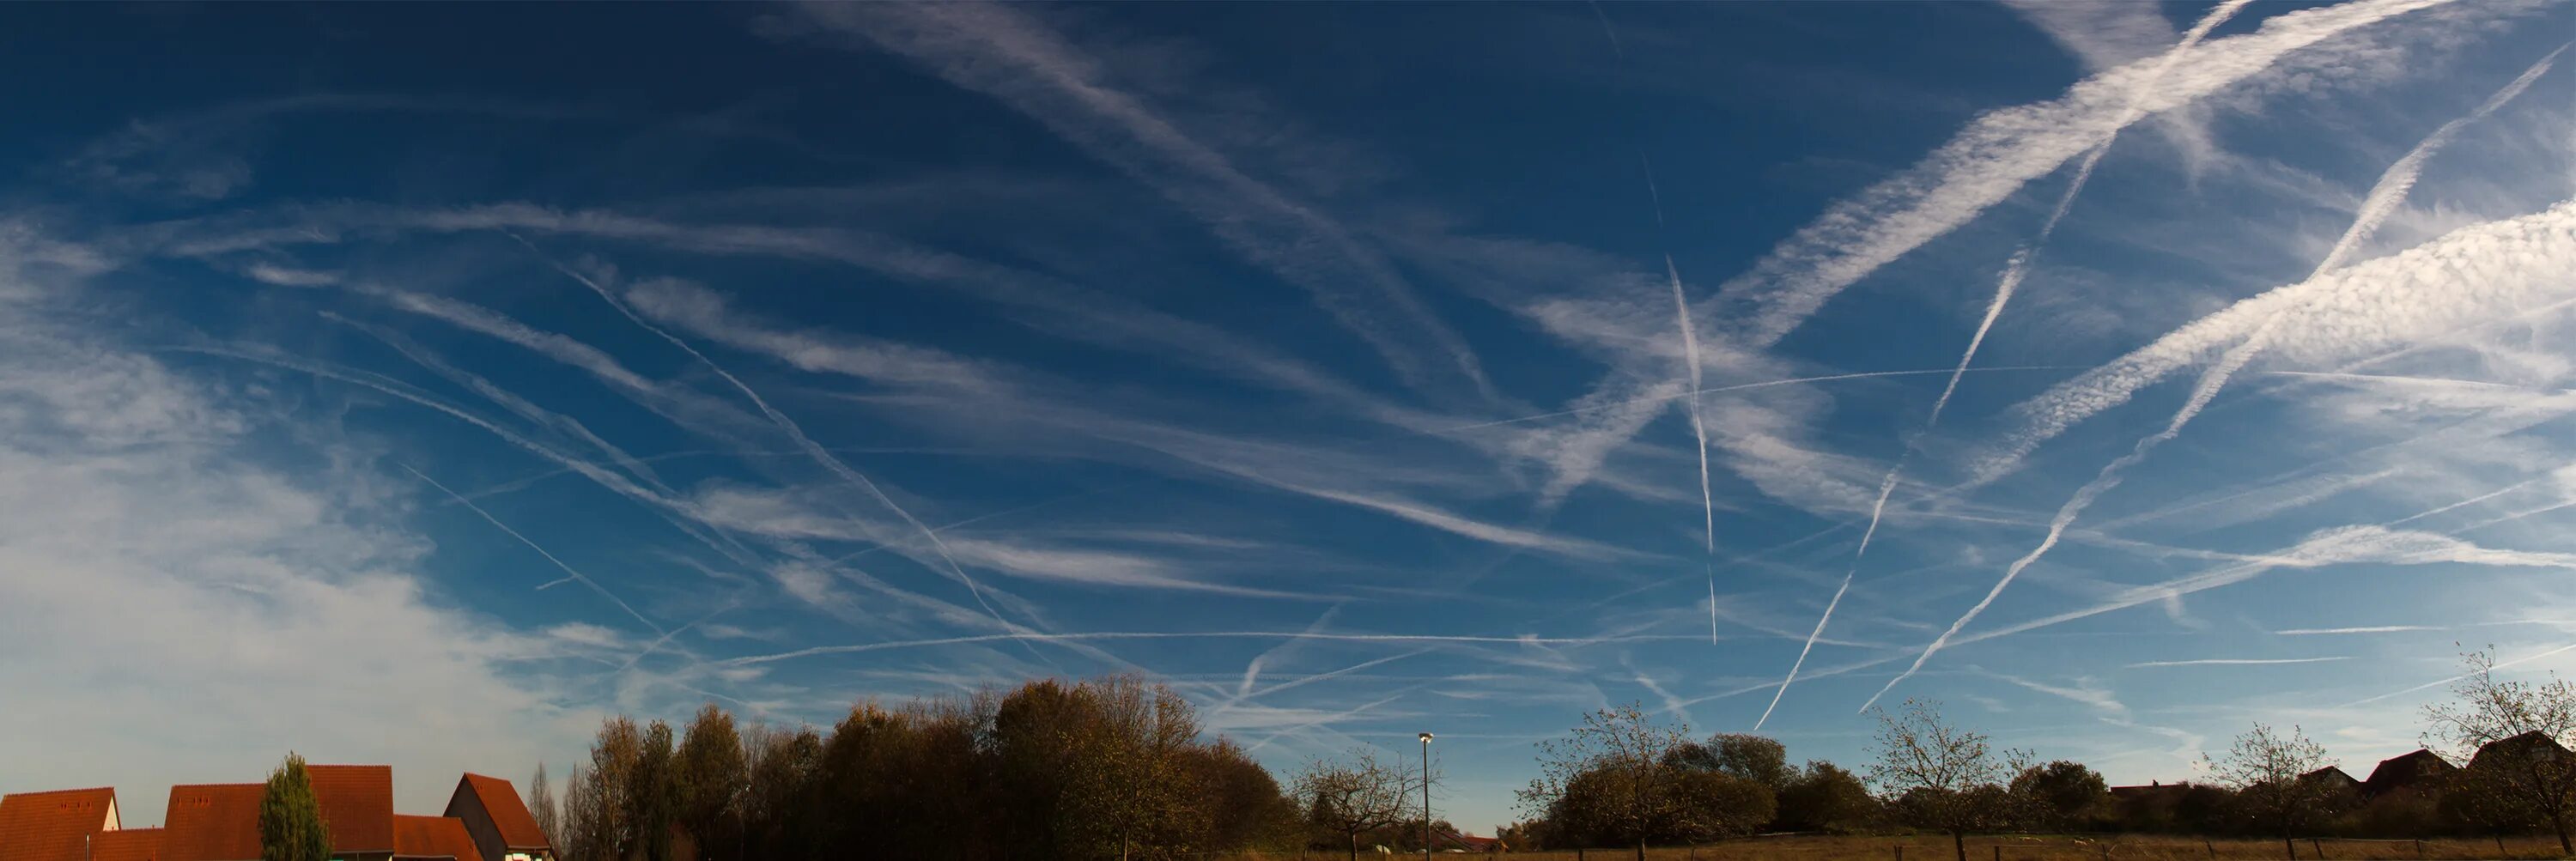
(2269, 773)
(1619, 776)
(2531, 770)
(1356, 794)
(541, 803)
(1939, 776)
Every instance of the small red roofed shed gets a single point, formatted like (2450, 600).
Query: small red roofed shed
(433, 837)
(127, 844)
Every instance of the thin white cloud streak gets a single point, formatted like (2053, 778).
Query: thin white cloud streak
(2382, 200)
(1002, 53)
(1252, 668)
(1699, 430)
(708, 315)
(2252, 320)
(1810, 646)
(1077, 637)
(505, 398)
(605, 479)
(2440, 682)
(2014, 270)
(1043, 303)
(2237, 662)
(1447, 522)
(2019, 265)
(2106, 34)
(2002, 151)
(1330, 675)
(2338, 546)
(568, 570)
(811, 448)
(2365, 629)
(1672, 704)
(2469, 501)
(2084, 692)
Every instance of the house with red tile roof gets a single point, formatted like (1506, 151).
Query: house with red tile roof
(126, 844)
(212, 822)
(428, 838)
(499, 821)
(358, 804)
(54, 826)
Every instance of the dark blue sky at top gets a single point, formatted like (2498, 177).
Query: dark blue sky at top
(1113, 340)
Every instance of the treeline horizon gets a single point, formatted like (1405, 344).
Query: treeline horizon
(1117, 767)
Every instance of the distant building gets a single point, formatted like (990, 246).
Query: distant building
(54, 826)
(212, 822)
(2534, 743)
(2334, 779)
(2407, 771)
(499, 821)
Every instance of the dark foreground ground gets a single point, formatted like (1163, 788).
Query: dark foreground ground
(2037, 848)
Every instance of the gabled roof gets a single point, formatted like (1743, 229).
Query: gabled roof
(129, 844)
(433, 837)
(501, 802)
(358, 803)
(51, 826)
(2405, 770)
(212, 822)
(2331, 776)
(2534, 741)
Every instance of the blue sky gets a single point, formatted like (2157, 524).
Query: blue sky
(415, 385)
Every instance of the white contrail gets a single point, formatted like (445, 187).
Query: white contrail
(568, 570)
(2014, 270)
(1810, 646)
(2019, 265)
(1699, 430)
(2381, 202)
(2003, 150)
(1196, 635)
(2236, 662)
(1019, 61)
(1790, 381)
(2371, 629)
(2440, 682)
(2114, 383)
(812, 449)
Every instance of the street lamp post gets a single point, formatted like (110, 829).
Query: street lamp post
(1426, 797)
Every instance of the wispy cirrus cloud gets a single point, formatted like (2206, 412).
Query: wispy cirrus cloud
(1012, 56)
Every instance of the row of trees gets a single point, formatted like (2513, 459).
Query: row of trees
(1116, 768)
(1622, 779)
(1107, 768)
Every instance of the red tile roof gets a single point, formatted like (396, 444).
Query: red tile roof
(500, 801)
(131, 844)
(49, 826)
(433, 837)
(358, 803)
(212, 822)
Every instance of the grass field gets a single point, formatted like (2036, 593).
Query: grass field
(2037, 848)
